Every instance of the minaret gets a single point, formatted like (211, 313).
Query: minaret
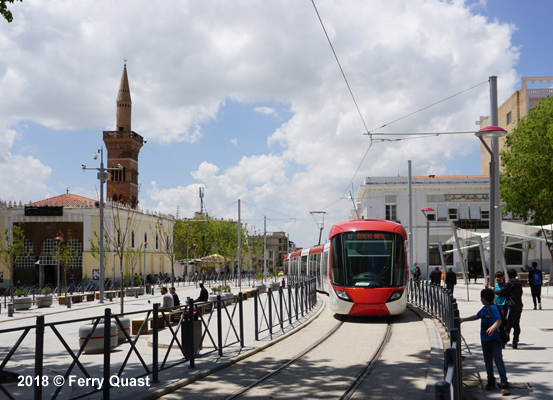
(123, 146)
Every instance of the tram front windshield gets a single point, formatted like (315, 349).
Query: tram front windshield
(368, 259)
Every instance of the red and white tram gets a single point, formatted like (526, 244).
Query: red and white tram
(363, 268)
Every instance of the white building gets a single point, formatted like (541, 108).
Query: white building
(458, 201)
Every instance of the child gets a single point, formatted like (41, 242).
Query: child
(492, 346)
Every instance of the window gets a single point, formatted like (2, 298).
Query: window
(157, 241)
(452, 213)
(132, 239)
(391, 214)
(509, 118)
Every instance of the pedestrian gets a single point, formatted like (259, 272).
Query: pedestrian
(71, 283)
(535, 279)
(512, 291)
(176, 300)
(417, 273)
(167, 299)
(492, 347)
(436, 277)
(204, 295)
(450, 280)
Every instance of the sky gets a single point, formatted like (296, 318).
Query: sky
(246, 98)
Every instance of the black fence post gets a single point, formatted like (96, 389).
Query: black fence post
(270, 299)
(281, 306)
(155, 339)
(39, 355)
(191, 345)
(256, 314)
(289, 304)
(297, 286)
(442, 390)
(241, 318)
(107, 352)
(220, 325)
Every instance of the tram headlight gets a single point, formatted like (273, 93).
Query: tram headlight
(395, 296)
(342, 295)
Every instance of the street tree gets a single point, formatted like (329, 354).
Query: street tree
(95, 251)
(164, 233)
(4, 9)
(527, 169)
(12, 248)
(66, 253)
(121, 226)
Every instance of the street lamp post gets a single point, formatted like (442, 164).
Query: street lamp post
(493, 133)
(103, 176)
(425, 211)
(58, 240)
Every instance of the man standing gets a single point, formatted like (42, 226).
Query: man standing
(535, 279)
(450, 280)
(512, 291)
(435, 277)
(167, 299)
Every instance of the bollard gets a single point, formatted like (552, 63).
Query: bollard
(68, 301)
(136, 294)
(10, 310)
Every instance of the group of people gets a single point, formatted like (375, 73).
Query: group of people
(502, 309)
(171, 298)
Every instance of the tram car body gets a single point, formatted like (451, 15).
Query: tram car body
(363, 268)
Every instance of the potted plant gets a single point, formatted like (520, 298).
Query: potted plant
(44, 299)
(260, 285)
(215, 290)
(22, 301)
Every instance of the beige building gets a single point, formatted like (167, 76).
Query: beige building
(70, 215)
(77, 216)
(511, 111)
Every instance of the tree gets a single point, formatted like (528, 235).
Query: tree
(133, 257)
(4, 9)
(527, 174)
(164, 233)
(95, 250)
(66, 253)
(12, 248)
(122, 225)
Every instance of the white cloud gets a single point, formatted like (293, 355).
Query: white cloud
(265, 110)
(62, 63)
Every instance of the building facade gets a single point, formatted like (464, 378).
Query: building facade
(511, 111)
(457, 202)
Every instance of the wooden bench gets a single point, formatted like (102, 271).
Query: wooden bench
(75, 298)
(114, 293)
(136, 323)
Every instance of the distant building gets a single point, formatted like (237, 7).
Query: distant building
(511, 111)
(278, 245)
(457, 201)
(78, 216)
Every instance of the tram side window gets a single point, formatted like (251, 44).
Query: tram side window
(337, 262)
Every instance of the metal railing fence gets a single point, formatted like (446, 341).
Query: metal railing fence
(438, 302)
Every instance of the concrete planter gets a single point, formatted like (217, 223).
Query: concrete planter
(126, 322)
(274, 286)
(96, 341)
(22, 303)
(43, 300)
(261, 287)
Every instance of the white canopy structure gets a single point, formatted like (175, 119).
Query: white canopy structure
(464, 239)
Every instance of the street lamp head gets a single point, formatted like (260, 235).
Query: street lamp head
(491, 132)
(95, 156)
(426, 210)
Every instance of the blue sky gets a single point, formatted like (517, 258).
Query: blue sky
(247, 100)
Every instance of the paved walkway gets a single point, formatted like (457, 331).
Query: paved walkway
(529, 367)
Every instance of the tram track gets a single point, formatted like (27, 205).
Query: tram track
(335, 365)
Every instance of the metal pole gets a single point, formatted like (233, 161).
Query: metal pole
(495, 210)
(101, 176)
(427, 248)
(410, 234)
(239, 249)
